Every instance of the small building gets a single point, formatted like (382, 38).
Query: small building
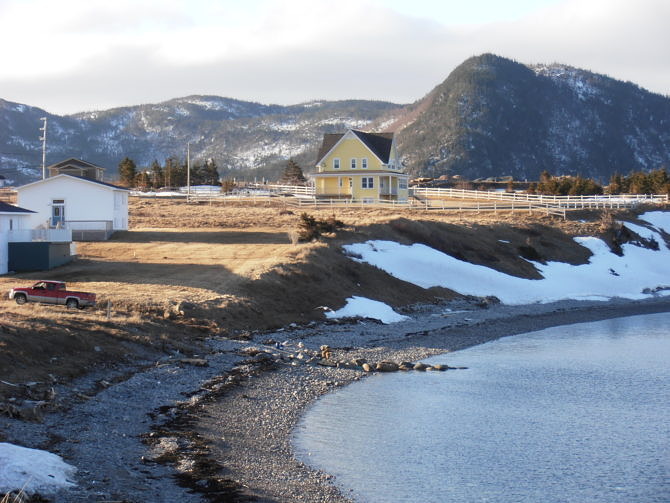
(360, 166)
(2, 181)
(12, 218)
(91, 209)
(25, 249)
(77, 167)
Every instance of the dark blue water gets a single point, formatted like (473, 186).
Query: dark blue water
(577, 413)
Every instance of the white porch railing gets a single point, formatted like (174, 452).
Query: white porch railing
(49, 235)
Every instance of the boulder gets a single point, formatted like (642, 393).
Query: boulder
(386, 366)
(420, 366)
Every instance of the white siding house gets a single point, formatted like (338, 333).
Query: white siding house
(90, 208)
(12, 219)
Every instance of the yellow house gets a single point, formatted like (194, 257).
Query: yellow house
(360, 166)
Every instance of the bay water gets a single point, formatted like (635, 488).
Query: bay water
(576, 413)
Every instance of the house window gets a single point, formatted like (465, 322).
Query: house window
(367, 182)
(353, 164)
(402, 183)
(336, 164)
(364, 163)
(11, 224)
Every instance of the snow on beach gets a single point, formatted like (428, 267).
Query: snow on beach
(32, 470)
(367, 308)
(634, 275)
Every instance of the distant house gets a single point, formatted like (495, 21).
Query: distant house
(77, 167)
(360, 166)
(92, 209)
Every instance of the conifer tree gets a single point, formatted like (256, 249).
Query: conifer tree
(293, 174)
(127, 172)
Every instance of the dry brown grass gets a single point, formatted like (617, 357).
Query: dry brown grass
(184, 271)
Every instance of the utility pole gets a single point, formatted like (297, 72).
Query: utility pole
(188, 172)
(44, 147)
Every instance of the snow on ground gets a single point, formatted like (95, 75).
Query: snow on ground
(606, 275)
(367, 308)
(33, 470)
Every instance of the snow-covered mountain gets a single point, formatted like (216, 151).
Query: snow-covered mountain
(491, 117)
(240, 136)
(494, 117)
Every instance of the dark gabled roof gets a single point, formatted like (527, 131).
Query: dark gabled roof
(74, 162)
(10, 208)
(94, 181)
(90, 180)
(379, 143)
(329, 141)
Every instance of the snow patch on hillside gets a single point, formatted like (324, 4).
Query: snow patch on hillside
(638, 274)
(572, 77)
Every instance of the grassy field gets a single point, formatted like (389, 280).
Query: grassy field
(185, 271)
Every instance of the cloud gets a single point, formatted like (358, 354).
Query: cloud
(84, 54)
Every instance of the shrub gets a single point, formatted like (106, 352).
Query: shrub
(310, 228)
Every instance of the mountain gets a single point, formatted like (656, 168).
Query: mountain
(491, 117)
(244, 138)
(495, 117)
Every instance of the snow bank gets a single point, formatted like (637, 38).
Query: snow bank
(367, 308)
(606, 275)
(33, 470)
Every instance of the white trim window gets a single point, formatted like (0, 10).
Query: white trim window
(402, 183)
(367, 182)
(353, 163)
(336, 163)
(364, 163)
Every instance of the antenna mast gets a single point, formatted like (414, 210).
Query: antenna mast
(188, 172)
(44, 147)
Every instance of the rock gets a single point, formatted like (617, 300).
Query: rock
(358, 362)
(405, 366)
(367, 367)
(440, 367)
(420, 366)
(387, 366)
(196, 362)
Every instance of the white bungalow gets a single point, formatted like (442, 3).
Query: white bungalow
(92, 209)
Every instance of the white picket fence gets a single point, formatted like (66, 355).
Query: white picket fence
(446, 199)
(567, 202)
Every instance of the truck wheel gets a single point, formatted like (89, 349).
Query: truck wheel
(72, 304)
(20, 298)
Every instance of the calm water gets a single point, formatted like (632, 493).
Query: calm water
(577, 413)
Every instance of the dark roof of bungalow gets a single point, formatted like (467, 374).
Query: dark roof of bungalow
(96, 181)
(379, 143)
(10, 208)
(91, 180)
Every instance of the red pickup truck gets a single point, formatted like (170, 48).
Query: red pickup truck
(52, 292)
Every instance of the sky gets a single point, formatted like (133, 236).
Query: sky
(81, 55)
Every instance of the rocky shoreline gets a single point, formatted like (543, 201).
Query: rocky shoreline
(218, 427)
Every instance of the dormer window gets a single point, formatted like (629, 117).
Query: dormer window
(353, 164)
